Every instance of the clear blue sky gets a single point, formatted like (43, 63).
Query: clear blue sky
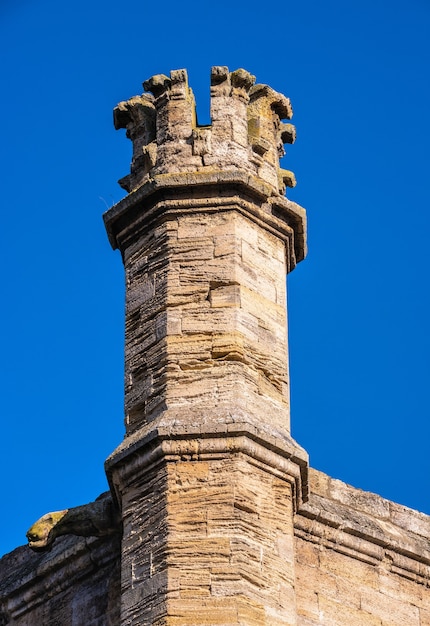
(359, 306)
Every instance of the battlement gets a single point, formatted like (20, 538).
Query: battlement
(246, 130)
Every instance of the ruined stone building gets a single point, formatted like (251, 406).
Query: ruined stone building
(214, 516)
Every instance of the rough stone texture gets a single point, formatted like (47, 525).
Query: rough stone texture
(246, 132)
(207, 238)
(216, 510)
(223, 522)
(75, 584)
(206, 244)
(95, 519)
(360, 559)
(206, 322)
(355, 558)
(210, 543)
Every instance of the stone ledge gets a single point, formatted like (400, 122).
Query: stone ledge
(370, 503)
(147, 448)
(281, 216)
(365, 526)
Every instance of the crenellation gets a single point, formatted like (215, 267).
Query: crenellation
(241, 82)
(268, 134)
(179, 89)
(246, 132)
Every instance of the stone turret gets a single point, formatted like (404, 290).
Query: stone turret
(208, 476)
(210, 519)
(246, 131)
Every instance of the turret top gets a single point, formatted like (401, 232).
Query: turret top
(246, 130)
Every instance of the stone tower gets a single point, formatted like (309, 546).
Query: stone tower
(214, 517)
(208, 477)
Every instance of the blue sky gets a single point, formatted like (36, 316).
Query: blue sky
(358, 78)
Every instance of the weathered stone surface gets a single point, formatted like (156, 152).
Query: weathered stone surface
(208, 476)
(95, 519)
(207, 238)
(246, 131)
(75, 584)
(207, 539)
(206, 324)
(358, 561)
(223, 522)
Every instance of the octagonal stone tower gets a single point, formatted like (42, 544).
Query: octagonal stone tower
(208, 476)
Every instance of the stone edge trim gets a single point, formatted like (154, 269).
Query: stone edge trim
(338, 517)
(143, 451)
(284, 214)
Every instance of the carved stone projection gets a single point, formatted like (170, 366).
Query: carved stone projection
(208, 476)
(96, 519)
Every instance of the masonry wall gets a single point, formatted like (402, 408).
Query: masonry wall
(76, 584)
(206, 320)
(360, 560)
(219, 526)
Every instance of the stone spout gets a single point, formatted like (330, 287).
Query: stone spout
(95, 519)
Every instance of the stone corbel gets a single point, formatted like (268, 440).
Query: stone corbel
(241, 82)
(137, 116)
(157, 84)
(125, 183)
(288, 133)
(279, 103)
(286, 179)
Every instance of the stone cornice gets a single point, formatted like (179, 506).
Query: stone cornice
(205, 191)
(145, 450)
(365, 527)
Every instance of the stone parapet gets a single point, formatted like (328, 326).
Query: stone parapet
(360, 559)
(246, 130)
(366, 527)
(77, 582)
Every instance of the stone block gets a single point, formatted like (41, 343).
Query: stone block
(391, 612)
